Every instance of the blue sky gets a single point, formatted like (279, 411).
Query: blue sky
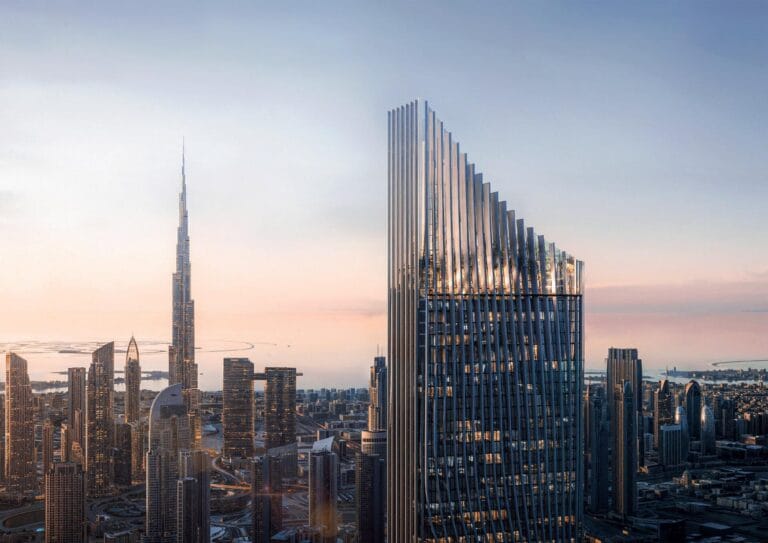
(633, 134)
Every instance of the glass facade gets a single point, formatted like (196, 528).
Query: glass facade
(237, 410)
(182, 367)
(132, 382)
(486, 355)
(100, 433)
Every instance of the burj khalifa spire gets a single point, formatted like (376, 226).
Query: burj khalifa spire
(182, 367)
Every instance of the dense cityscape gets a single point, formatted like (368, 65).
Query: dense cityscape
(477, 425)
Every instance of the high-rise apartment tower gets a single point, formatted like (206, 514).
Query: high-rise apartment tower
(20, 471)
(65, 520)
(237, 408)
(76, 398)
(100, 421)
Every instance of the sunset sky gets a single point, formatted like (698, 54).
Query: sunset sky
(633, 135)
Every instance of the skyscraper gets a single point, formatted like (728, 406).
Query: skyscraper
(237, 408)
(20, 472)
(65, 451)
(485, 354)
(187, 511)
(169, 434)
(681, 418)
(624, 365)
(76, 404)
(727, 427)
(663, 409)
(266, 498)
(707, 430)
(193, 513)
(65, 520)
(132, 383)
(596, 439)
(139, 431)
(100, 433)
(122, 457)
(323, 493)
(672, 448)
(693, 409)
(370, 497)
(625, 451)
(2, 439)
(47, 445)
(377, 389)
(280, 415)
(371, 461)
(182, 367)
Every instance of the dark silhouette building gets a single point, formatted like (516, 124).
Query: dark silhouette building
(371, 497)
(596, 446)
(625, 451)
(132, 382)
(266, 498)
(663, 409)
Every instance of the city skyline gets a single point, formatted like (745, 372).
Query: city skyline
(431, 367)
(664, 178)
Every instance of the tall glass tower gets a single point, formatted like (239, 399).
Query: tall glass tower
(100, 421)
(486, 355)
(182, 367)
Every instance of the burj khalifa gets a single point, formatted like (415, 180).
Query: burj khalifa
(182, 367)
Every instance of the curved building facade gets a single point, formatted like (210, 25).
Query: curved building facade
(486, 355)
(132, 382)
(708, 444)
(169, 434)
(681, 418)
(693, 408)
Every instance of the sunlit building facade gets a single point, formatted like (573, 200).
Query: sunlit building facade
(485, 355)
(100, 421)
(693, 408)
(132, 382)
(377, 389)
(76, 394)
(182, 367)
(20, 472)
(237, 408)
